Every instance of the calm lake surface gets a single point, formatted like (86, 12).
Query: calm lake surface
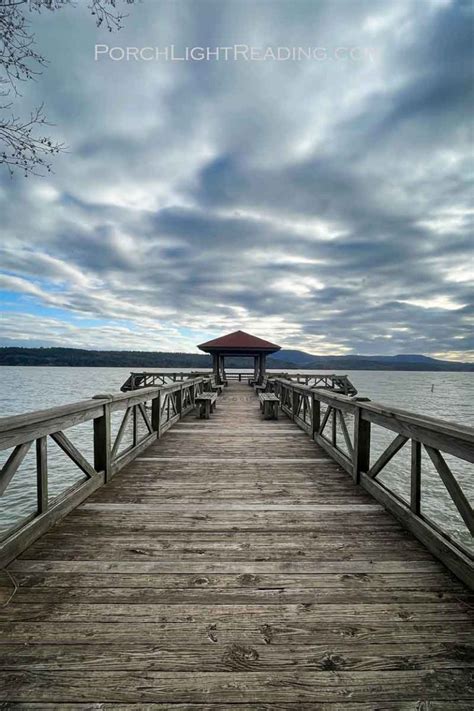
(449, 396)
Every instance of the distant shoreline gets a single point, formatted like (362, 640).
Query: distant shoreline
(285, 360)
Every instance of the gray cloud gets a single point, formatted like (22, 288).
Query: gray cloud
(325, 205)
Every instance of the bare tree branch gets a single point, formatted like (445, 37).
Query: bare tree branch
(25, 150)
(22, 143)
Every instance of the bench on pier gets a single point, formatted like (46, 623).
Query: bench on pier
(269, 404)
(261, 387)
(206, 403)
(215, 386)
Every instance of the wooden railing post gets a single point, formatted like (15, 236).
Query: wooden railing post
(361, 457)
(334, 427)
(315, 415)
(294, 404)
(415, 482)
(156, 413)
(179, 402)
(42, 474)
(134, 425)
(102, 442)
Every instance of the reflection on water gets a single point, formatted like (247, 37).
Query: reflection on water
(449, 396)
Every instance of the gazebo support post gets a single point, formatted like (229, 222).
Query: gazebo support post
(215, 366)
(222, 370)
(255, 368)
(262, 368)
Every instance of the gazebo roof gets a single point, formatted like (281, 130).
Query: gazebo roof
(240, 342)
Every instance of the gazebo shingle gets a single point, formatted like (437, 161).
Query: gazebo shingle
(239, 340)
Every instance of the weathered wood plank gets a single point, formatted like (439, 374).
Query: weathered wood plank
(227, 567)
(238, 460)
(431, 581)
(231, 506)
(195, 553)
(257, 521)
(185, 429)
(231, 542)
(450, 705)
(245, 595)
(316, 687)
(235, 615)
(273, 706)
(188, 634)
(262, 657)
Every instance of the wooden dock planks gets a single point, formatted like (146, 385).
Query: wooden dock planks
(233, 565)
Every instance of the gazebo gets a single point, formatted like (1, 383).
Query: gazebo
(241, 344)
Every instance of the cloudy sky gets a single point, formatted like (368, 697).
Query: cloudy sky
(324, 203)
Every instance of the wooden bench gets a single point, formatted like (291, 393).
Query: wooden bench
(261, 387)
(206, 403)
(215, 386)
(269, 404)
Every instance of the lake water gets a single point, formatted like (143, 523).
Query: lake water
(449, 396)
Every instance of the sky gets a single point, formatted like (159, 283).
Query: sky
(324, 202)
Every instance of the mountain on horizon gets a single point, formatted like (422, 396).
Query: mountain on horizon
(401, 357)
(294, 356)
(401, 361)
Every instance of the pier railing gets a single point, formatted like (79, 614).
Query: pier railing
(330, 381)
(143, 416)
(147, 379)
(342, 426)
(337, 383)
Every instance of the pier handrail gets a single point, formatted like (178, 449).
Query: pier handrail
(331, 381)
(353, 449)
(144, 379)
(156, 408)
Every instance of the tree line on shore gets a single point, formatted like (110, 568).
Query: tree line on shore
(283, 360)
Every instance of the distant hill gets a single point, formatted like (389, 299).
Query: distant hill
(406, 358)
(139, 360)
(286, 359)
(409, 361)
(422, 363)
(290, 356)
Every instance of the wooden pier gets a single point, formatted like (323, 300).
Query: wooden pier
(232, 563)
